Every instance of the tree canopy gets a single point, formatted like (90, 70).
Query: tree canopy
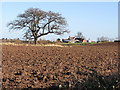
(37, 23)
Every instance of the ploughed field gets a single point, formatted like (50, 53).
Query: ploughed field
(41, 67)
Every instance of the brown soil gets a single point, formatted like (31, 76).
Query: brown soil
(41, 67)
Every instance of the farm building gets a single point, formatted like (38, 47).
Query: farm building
(74, 40)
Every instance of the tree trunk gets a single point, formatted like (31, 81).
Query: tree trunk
(35, 41)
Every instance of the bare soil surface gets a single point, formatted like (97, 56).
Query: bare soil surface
(42, 67)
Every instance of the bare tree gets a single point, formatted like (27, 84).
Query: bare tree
(102, 39)
(79, 35)
(98, 39)
(37, 23)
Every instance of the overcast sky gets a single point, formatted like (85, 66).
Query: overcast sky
(93, 19)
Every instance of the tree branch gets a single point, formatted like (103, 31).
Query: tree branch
(44, 34)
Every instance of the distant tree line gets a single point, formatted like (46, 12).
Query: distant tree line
(18, 41)
(104, 39)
